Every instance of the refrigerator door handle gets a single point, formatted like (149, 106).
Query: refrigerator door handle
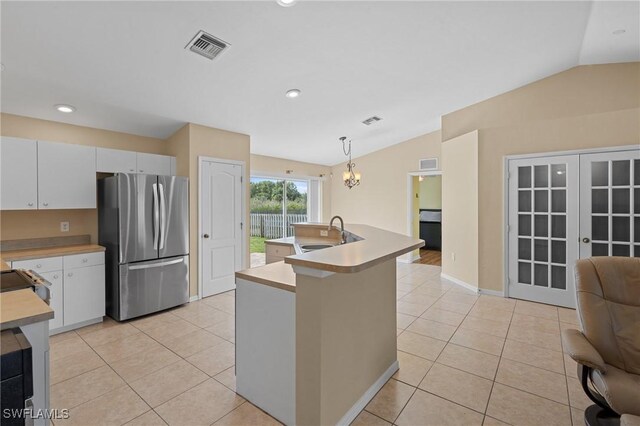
(156, 218)
(163, 216)
(155, 265)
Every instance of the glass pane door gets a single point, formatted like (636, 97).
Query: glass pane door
(610, 204)
(543, 197)
(296, 204)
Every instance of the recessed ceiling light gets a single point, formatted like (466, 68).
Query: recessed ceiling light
(293, 93)
(620, 31)
(286, 3)
(65, 108)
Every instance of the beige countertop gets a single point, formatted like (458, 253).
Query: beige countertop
(22, 307)
(4, 266)
(37, 253)
(376, 246)
(288, 241)
(277, 274)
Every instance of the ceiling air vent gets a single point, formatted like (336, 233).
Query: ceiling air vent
(207, 45)
(428, 164)
(369, 121)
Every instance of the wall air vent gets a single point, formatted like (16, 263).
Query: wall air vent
(428, 164)
(369, 121)
(207, 45)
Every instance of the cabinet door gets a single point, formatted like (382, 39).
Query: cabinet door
(66, 176)
(154, 164)
(84, 294)
(56, 301)
(173, 165)
(115, 161)
(18, 174)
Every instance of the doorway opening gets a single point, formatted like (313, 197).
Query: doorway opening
(425, 215)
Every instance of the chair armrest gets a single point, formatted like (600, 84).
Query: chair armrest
(582, 352)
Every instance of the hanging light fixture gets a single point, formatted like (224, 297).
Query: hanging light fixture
(349, 177)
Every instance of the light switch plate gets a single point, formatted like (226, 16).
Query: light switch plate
(64, 226)
(324, 233)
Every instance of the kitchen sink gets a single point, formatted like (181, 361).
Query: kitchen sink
(311, 247)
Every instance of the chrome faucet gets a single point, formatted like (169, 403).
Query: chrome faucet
(342, 234)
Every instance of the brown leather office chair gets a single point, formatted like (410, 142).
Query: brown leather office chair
(607, 349)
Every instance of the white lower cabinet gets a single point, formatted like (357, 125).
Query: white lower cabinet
(84, 297)
(56, 298)
(77, 292)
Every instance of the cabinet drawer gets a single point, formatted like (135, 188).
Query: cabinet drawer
(82, 260)
(46, 264)
(278, 250)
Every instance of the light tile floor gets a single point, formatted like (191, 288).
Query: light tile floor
(464, 360)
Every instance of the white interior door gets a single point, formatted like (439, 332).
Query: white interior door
(221, 233)
(610, 204)
(543, 229)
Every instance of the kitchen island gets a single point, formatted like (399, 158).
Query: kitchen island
(316, 334)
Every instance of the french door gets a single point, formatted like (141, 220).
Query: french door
(543, 228)
(610, 194)
(566, 207)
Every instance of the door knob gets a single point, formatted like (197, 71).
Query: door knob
(206, 235)
(586, 240)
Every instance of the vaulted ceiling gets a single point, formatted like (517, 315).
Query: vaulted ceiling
(124, 65)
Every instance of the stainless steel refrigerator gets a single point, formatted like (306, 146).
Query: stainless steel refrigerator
(144, 225)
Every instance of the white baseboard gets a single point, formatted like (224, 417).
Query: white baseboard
(74, 326)
(403, 259)
(459, 282)
(194, 298)
(491, 292)
(368, 395)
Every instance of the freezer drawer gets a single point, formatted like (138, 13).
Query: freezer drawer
(147, 287)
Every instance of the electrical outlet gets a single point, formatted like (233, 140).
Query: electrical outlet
(64, 226)
(453, 257)
(324, 233)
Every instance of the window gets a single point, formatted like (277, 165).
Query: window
(276, 204)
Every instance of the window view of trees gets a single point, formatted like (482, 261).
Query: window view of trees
(267, 195)
(275, 206)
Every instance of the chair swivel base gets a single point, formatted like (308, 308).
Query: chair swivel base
(595, 415)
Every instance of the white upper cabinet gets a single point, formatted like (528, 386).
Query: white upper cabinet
(66, 176)
(154, 164)
(115, 161)
(18, 174)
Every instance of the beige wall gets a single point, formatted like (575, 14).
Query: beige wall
(220, 144)
(460, 213)
(431, 192)
(279, 166)
(584, 107)
(381, 198)
(342, 344)
(18, 224)
(579, 91)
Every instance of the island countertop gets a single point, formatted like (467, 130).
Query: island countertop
(22, 307)
(376, 246)
(277, 274)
